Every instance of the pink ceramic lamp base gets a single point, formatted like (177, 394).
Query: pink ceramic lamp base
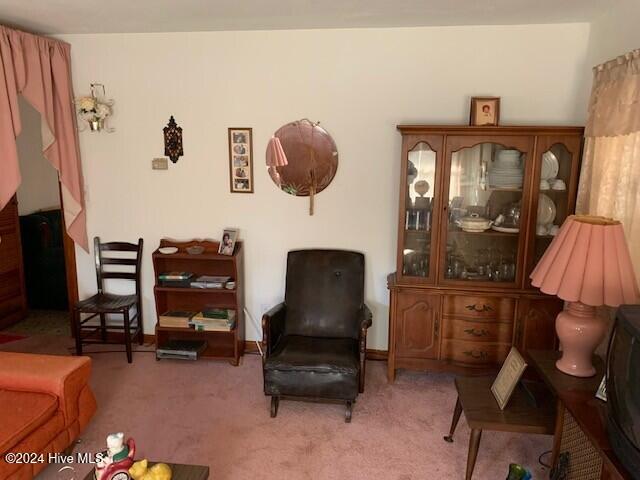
(580, 332)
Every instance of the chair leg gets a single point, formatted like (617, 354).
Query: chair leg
(275, 402)
(140, 332)
(76, 321)
(454, 421)
(103, 327)
(348, 412)
(127, 336)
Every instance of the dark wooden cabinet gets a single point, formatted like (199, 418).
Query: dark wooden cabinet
(478, 207)
(13, 298)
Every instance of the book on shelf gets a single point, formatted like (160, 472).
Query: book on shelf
(174, 283)
(175, 318)
(207, 327)
(213, 320)
(215, 314)
(209, 281)
(175, 276)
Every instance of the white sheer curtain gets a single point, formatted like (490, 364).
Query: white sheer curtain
(610, 177)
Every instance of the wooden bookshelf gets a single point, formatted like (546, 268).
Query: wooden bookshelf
(220, 345)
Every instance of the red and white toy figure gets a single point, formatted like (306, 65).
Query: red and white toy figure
(115, 461)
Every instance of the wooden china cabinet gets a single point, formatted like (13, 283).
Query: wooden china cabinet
(478, 208)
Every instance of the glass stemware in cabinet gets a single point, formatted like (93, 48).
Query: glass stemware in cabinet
(421, 172)
(553, 199)
(485, 200)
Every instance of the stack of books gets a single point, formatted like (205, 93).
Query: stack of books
(209, 281)
(214, 320)
(175, 279)
(175, 318)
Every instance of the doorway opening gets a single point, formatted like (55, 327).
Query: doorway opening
(40, 271)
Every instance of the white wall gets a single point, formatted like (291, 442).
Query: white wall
(358, 83)
(39, 188)
(615, 32)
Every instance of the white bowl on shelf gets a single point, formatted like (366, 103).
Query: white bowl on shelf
(168, 250)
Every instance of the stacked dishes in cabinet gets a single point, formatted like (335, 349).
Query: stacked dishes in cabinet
(506, 171)
(546, 215)
(549, 173)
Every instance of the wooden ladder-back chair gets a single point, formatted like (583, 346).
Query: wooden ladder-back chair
(119, 261)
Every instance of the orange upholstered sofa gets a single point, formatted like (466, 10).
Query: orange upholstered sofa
(45, 402)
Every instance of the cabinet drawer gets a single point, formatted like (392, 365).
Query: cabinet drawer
(8, 216)
(477, 331)
(472, 306)
(474, 353)
(8, 252)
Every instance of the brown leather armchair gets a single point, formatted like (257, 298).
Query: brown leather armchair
(315, 341)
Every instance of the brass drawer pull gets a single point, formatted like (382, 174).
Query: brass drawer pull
(477, 333)
(477, 355)
(482, 309)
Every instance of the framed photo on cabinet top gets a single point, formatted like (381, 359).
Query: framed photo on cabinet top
(485, 111)
(240, 160)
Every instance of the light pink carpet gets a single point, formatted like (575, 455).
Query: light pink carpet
(209, 412)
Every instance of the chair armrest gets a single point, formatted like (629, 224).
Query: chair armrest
(273, 327)
(62, 376)
(365, 323)
(365, 318)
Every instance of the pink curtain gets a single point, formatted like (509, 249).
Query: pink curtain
(40, 69)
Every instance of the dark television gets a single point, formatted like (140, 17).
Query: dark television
(623, 388)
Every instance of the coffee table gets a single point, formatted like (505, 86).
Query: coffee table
(179, 472)
(483, 413)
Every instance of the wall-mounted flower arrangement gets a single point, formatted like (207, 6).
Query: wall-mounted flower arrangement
(94, 109)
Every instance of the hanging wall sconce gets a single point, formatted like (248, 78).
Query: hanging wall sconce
(94, 109)
(173, 140)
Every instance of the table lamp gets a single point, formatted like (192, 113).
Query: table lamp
(588, 265)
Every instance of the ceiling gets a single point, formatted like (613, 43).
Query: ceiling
(118, 16)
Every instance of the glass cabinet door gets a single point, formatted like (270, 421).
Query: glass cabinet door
(419, 189)
(485, 214)
(554, 191)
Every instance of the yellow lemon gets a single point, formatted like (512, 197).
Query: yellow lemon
(138, 469)
(160, 471)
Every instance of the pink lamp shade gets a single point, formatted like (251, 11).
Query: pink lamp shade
(275, 153)
(587, 264)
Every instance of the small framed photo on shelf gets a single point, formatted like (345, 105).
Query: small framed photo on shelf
(485, 111)
(240, 160)
(228, 242)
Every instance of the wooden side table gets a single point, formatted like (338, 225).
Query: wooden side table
(576, 397)
(483, 413)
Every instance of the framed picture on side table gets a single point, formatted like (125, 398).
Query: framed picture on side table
(240, 160)
(508, 377)
(485, 111)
